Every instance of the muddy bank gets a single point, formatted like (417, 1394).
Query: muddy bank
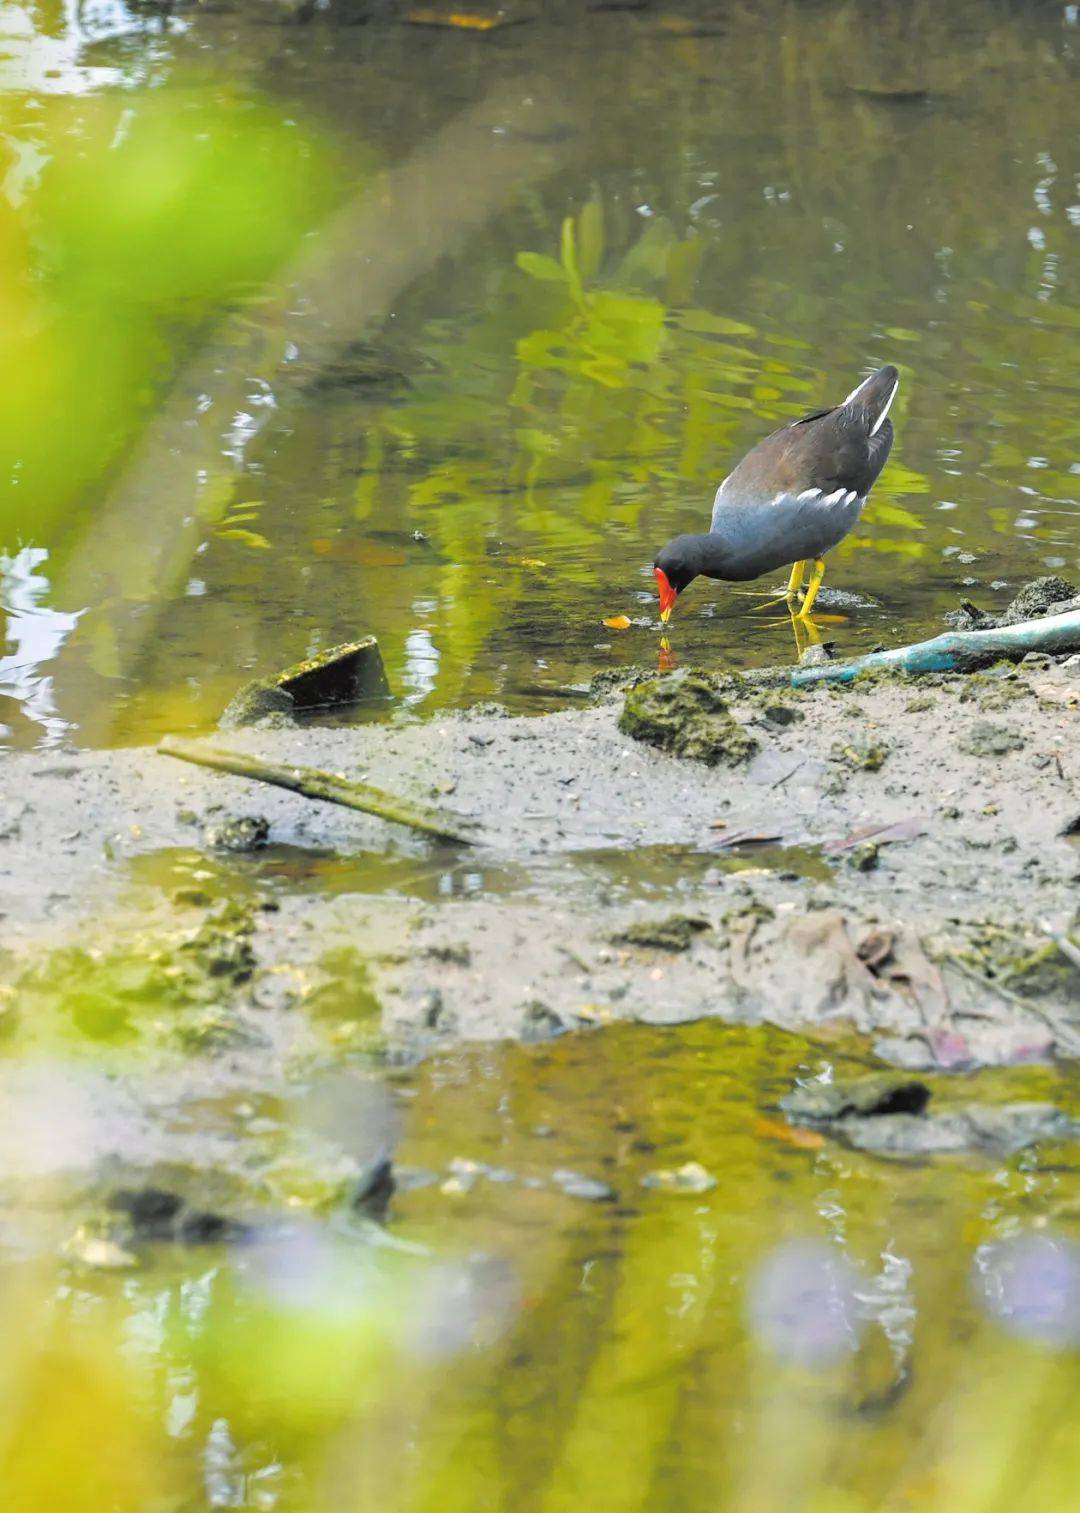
(889, 856)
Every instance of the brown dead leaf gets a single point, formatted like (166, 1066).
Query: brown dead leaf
(875, 949)
(617, 622)
(899, 830)
(789, 1134)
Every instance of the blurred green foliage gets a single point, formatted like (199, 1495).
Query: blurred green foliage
(154, 213)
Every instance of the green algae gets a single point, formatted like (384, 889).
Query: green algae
(151, 987)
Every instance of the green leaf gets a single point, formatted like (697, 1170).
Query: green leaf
(569, 260)
(590, 240)
(539, 265)
(901, 333)
(646, 262)
(708, 324)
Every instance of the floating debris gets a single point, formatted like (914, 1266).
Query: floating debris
(344, 675)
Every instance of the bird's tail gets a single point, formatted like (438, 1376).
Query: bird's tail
(871, 400)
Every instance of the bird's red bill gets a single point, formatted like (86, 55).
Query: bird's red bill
(668, 595)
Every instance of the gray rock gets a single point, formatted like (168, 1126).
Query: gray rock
(863, 1097)
(996, 1129)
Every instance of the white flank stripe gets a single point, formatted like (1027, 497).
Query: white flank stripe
(835, 498)
(850, 496)
(809, 494)
(876, 427)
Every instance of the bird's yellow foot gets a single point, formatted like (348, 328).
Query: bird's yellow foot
(811, 590)
(789, 593)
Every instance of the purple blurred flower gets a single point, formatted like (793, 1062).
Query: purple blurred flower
(801, 1303)
(1031, 1286)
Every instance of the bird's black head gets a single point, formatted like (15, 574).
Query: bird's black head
(675, 565)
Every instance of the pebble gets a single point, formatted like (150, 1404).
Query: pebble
(691, 1177)
(575, 1185)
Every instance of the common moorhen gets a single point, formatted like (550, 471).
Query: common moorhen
(790, 500)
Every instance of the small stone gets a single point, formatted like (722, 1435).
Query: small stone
(860, 755)
(98, 1252)
(373, 1188)
(691, 1177)
(575, 1185)
(865, 857)
(456, 952)
(242, 833)
(539, 1022)
(432, 1008)
(815, 656)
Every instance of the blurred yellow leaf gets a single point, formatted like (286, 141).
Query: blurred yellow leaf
(249, 538)
(617, 622)
(463, 20)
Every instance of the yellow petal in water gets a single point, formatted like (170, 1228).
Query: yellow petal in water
(617, 622)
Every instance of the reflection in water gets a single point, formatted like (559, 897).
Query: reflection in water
(33, 636)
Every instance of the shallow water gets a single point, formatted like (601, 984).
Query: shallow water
(468, 432)
(766, 200)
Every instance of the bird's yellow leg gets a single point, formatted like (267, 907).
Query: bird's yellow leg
(812, 589)
(788, 593)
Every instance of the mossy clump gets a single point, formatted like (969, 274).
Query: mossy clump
(685, 714)
(984, 739)
(861, 756)
(674, 933)
(1038, 598)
